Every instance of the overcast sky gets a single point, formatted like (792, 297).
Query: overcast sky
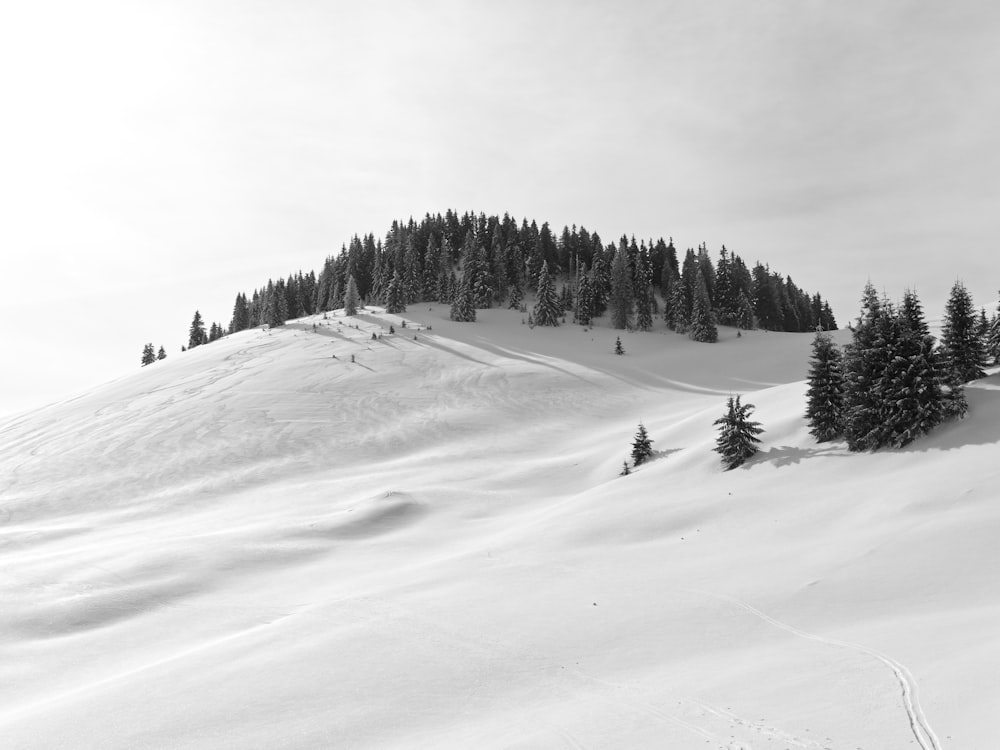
(160, 157)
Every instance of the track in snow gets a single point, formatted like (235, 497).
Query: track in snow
(921, 728)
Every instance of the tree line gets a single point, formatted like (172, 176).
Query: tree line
(474, 261)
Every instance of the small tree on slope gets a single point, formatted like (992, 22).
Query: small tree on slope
(642, 446)
(737, 439)
(148, 357)
(548, 309)
(825, 396)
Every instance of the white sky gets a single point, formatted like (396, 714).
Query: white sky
(157, 158)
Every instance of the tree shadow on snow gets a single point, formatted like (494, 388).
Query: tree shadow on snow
(787, 455)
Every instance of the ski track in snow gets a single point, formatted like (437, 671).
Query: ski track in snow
(919, 726)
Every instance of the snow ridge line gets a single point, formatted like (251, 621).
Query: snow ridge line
(919, 725)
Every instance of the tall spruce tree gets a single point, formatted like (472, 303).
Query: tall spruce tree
(825, 395)
(702, 326)
(993, 338)
(865, 359)
(548, 308)
(351, 297)
(585, 301)
(196, 334)
(463, 309)
(737, 440)
(961, 345)
(395, 301)
(642, 446)
(620, 300)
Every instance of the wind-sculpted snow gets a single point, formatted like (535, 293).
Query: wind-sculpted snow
(263, 543)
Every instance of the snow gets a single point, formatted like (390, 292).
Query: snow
(262, 544)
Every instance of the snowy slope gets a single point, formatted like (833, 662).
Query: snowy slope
(262, 544)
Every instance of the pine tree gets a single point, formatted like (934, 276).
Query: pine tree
(993, 338)
(463, 309)
(516, 297)
(737, 440)
(702, 326)
(394, 301)
(825, 396)
(865, 359)
(162, 354)
(547, 310)
(961, 346)
(148, 357)
(642, 446)
(196, 334)
(351, 297)
(621, 290)
(619, 349)
(625, 469)
(585, 301)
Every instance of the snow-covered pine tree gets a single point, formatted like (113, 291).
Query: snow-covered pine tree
(679, 314)
(702, 326)
(737, 440)
(148, 357)
(516, 297)
(825, 395)
(642, 446)
(619, 349)
(865, 359)
(625, 469)
(162, 354)
(620, 300)
(394, 300)
(463, 308)
(351, 297)
(548, 309)
(910, 389)
(643, 289)
(585, 301)
(993, 339)
(961, 346)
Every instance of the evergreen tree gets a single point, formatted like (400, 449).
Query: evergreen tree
(642, 446)
(737, 440)
(993, 338)
(619, 349)
(585, 301)
(865, 359)
(625, 469)
(678, 315)
(351, 297)
(463, 309)
(702, 327)
(162, 354)
(825, 396)
(548, 309)
(516, 297)
(620, 300)
(148, 357)
(196, 334)
(643, 292)
(394, 301)
(961, 345)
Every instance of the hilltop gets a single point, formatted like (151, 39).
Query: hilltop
(261, 543)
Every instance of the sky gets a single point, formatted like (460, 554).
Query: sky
(159, 158)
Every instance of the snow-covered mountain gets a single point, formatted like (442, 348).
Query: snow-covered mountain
(261, 543)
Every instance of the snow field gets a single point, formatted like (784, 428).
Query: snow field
(259, 544)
